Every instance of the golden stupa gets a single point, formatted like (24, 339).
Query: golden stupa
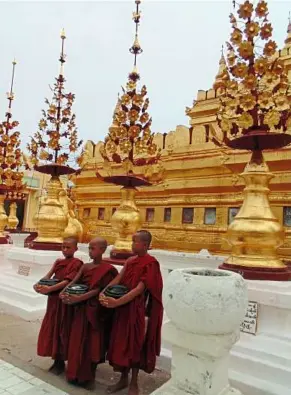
(202, 190)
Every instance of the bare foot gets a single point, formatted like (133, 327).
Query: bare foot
(122, 383)
(57, 368)
(133, 389)
(89, 385)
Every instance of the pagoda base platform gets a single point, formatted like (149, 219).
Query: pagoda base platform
(4, 240)
(23, 268)
(43, 246)
(4, 248)
(257, 273)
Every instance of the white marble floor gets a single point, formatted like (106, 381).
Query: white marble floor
(14, 381)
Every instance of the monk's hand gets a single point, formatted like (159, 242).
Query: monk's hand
(101, 297)
(71, 299)
(62, 295)
(44, 289)
(37, 287)
(110, 303)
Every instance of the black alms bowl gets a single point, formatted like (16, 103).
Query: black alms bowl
(49, 282)
(77, 289)
(116, 291)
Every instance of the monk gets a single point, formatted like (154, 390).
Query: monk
(87, 345)
(136, 333)
(55, 328)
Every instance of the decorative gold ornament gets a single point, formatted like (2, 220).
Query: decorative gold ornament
(12, 219)
(3, 216)
(258, 79)
(254, 116)
(74, 227)
(56, 141)
(51, 220)
(129, 145)
(255, 234)
(126, 220)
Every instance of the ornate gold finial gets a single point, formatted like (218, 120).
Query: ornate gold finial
(62, 56)
(254, 97)
(222, 76)
(10, 153)
(136, 48)
(56, 141)
(130, 140)
(288, 39)
(63, 34)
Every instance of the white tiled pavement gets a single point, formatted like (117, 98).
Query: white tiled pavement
(14, 381)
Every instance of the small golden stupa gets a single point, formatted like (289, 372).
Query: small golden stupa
(254, 115)
(129, 145)
(53, 148)
(11, 163)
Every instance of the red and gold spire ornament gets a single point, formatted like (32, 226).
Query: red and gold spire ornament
(11, 161)
(130, 141)
(53, 149)
(129, 147)
(255, 114)
(54, 146)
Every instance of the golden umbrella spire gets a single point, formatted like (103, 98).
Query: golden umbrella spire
(56, 141)
(130, 140)
(222, 76)
(10, 153)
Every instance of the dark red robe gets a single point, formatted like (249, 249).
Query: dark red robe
(129, 346)
(56, 325)
(87, 344)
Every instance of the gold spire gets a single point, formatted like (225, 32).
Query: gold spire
(288, 39)
(117, 109)
(136, 48)
(62, 56)
(222, 75)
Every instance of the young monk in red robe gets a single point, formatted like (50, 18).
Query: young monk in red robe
(87, 338)
(136, 333)
(56, 325)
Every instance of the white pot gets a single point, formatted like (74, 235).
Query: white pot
(18, 238)
(205, 301)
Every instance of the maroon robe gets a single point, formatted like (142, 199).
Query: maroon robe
(56, 325)
(129, 346)
(87, 338)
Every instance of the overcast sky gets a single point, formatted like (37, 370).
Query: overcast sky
(181, 43)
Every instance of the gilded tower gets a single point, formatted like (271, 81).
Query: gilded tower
(201, 192)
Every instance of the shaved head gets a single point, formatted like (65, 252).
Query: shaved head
(71, 240)
(145, 236)
(100, 242)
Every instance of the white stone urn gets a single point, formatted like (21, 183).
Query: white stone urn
(205, 309)
(18, 238)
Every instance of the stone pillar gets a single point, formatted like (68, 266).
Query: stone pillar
(205, 309)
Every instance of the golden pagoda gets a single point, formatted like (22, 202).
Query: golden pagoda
(201, 192)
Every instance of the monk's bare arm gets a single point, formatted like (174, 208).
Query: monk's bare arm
(77, 278)
(88, 295)
(59, 286)
(138, 290)
(37, 287)
(50, 273)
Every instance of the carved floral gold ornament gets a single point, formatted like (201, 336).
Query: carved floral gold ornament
(130, 140)
(254, 87)
(56, 140)
(11, 159)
